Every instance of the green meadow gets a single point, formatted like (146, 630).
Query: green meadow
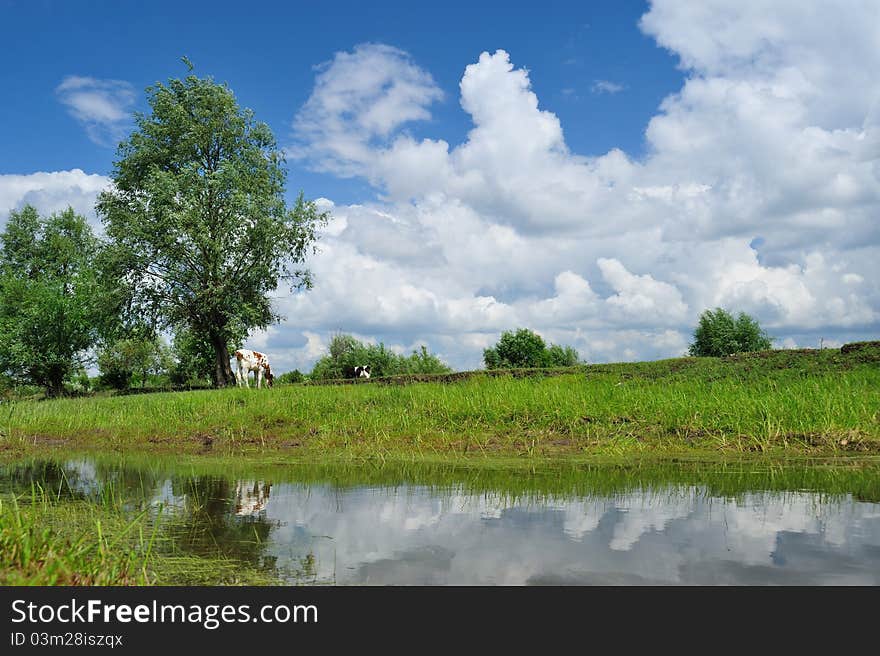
(777, 403)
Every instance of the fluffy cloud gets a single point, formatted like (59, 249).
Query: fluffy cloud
(359, 99)
(103, 107)
(52, 192)
(641, 299)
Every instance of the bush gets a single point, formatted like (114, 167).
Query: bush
(420, 362)
(525, 348)
(138, 358)
(78, 383)
(289, 378)
(719, 334)
(346, 353)
(561, 356)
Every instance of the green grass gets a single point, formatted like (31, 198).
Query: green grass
(49, 539)
(42, 543)
(812, 403)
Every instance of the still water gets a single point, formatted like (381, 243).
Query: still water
(413, 529)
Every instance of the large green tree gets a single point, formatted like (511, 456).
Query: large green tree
(48, 292)
(718, 334)
(200, 234)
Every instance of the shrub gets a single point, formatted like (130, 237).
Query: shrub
(295, 376)
(525, 348)
(719, 334)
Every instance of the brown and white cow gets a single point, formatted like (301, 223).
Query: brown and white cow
(251, 497)
(248, 361)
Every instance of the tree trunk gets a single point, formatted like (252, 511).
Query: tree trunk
(222, 370)
(55, 387)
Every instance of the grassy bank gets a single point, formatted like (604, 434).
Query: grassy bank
(49, 539)
(814, 403)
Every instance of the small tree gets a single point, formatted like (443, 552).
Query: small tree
(48, 309)
(421, 362)
(124, 359)
(719, 334)
(561, 356)
(525, 348)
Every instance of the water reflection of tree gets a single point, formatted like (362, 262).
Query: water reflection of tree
(221, 517)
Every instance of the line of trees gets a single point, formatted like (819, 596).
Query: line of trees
(59, 299)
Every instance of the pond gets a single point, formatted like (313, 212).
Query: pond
(436, 526)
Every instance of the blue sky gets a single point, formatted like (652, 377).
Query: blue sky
(600, 172)
(267, 54)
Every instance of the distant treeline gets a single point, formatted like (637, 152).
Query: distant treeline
(345, 353)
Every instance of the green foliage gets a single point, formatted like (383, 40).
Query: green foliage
(48, 291)
(562, 356)
(420, 362)
(719, 334)
(346, 353)
(80, 383)
(290, 377)
(525, 348)
(200, 234)
(124, 359)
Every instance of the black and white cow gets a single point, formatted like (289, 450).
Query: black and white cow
(362, 371)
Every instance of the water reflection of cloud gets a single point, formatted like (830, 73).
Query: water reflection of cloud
(580, 519)
(639, 515)
(414, 536)
(421, 535)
